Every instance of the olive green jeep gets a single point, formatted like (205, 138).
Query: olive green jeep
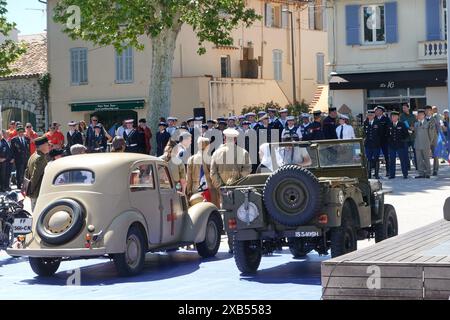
(329, 203)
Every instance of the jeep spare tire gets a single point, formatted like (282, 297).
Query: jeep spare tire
(60, 222)
(292, 196)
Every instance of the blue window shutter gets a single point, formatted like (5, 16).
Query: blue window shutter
(352, 19)
(433, 13)
(391, 22)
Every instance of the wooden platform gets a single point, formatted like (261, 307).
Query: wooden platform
(415, 265)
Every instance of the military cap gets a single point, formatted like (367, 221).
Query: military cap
(40, 141)
(205, 126)
(220, 119)
(246, 123)
(371, 111)
(395, 113)
(381, 108)
(164, 124)
(223, 122)
(332, 109)
(20, 129)
(232, 133)
(198, 118)
(211, 121)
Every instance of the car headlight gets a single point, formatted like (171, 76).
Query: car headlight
(341, 197)
(248, 212)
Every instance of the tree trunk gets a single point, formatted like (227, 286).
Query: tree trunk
(163, 51)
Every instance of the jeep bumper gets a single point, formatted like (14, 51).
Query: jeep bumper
(56, 253)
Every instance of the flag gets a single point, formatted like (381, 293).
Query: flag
(441, 150)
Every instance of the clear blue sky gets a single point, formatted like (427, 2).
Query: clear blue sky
(28, 21)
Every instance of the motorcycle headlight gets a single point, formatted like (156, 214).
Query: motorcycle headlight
(248, 213)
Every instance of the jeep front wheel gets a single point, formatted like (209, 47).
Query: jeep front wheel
(210, 246)
(247, 255)
(344, 238)
(131, 262)
(389, 227)
(44, 267)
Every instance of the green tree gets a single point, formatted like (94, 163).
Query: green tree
(132, 22)
(10, 51)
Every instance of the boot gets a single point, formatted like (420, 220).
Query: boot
(369, 168)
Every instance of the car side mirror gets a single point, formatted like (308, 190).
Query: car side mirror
(447, 209)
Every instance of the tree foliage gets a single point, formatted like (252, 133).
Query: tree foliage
(119, 22)
(293, 109)
(10, 51)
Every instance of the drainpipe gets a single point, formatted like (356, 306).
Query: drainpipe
(210, 83)
(448, 54)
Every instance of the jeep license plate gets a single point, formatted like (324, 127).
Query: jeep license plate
(307, 234)
(22, 225)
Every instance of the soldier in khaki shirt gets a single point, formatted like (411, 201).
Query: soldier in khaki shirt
(229, 164)
(35, 169)
(198, 173)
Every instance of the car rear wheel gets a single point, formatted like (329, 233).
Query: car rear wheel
(344, 238)
(131, 262)
(299, 247)
(210, 246)
(247, 255)
(45, 267)
(389, 227)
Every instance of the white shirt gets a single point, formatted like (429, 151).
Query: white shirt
(348, 132)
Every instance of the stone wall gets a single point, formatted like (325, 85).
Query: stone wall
(25, 94)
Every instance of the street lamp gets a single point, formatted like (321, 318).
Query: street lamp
(294, 86)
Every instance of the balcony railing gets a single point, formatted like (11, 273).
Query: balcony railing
(433, 52)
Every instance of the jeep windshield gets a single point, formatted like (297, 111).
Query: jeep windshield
(310, 154)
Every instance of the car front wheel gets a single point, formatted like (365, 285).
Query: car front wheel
(247, 255)
(45, 267)
(131, 262)
(344, 238)
(389, 227)
(210, 246)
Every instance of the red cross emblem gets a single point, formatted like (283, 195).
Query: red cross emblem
(171, 217)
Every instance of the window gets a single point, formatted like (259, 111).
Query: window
(317, 15)
(373, 24)
(164, 178)
(278, 65)
(78, 66)
(276, 16)
(74, 177)
(125, 66)
(225, 67)
(142, 178)
(320, 60)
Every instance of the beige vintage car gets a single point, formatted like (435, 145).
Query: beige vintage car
(121, 205)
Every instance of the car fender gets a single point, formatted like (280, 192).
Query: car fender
(116, 234)
(196, 220)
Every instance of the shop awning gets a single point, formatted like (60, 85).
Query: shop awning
(108, 105)
(389, 80)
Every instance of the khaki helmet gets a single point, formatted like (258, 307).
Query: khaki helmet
(196, 198)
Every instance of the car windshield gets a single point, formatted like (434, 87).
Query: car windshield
(75, 177)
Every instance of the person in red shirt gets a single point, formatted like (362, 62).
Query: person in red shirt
(32, 135)
(55, 137)
(147, 133)
(12, 130)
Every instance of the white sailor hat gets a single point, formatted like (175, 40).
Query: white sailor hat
(343, 116)
(284, 110)
(290, 118)
(129, 121)
(198, 119)
(234, 118)
(446, 110)
(231, 133)
(250, 114)
(72, 123)
(305, 115)
(172, 119)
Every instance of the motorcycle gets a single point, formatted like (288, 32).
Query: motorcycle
(14, 220)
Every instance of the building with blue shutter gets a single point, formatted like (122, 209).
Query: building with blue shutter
(387, 53)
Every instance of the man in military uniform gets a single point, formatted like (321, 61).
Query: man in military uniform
(20, 147)
(397, 138)
(383, 123)
(409, 119)
(329, 125)
(434, 130)
(280, 123)
(291, 128)
(35, 169)
(6, 161)
(304, 124)
(272, 113)
(265, 130)
(372, 143)
(314, 130)
(162, 138)
(73, 136)
(229, 164)
(172, 125)
(131, 137)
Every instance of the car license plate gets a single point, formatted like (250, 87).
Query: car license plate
(307, 234)
(22, 225)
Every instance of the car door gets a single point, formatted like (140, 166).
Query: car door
(144, 197)
(171, 208)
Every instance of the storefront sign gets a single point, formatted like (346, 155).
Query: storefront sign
(388, 85)
(108, 106)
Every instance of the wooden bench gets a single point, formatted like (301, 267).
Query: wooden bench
(414, 265)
